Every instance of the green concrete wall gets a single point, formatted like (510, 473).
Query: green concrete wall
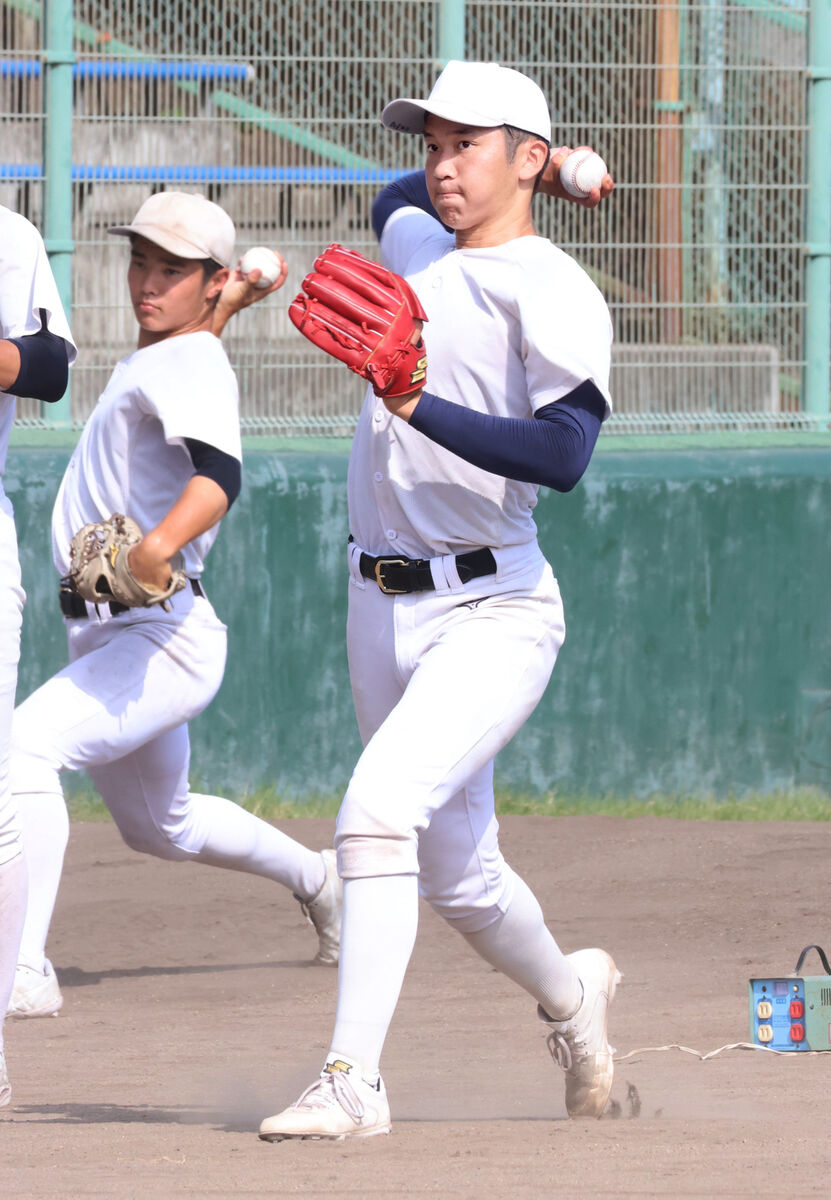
(697, 586)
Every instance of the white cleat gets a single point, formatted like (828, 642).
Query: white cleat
(338, 1105)
(35, 993)
(580, 1045)
(324, 911)
(5, 1086)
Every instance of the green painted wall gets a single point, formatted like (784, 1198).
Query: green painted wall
(697, 586)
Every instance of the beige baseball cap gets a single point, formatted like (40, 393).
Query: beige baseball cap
(185, 223)
(476, 94)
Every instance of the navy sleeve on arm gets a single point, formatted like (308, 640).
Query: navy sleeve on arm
(222, 468)
(410, 191)
(553, 449)
(44, 365)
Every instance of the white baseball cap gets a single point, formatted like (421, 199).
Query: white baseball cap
(477, 94)
(185, 223)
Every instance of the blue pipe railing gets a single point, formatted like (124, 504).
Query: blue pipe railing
(113, 68)
(10, 172)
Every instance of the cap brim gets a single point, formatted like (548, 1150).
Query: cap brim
(407, 115)
(168, 241)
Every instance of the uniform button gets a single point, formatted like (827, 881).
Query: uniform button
(378, 476)
(379, 416)
(391, 535)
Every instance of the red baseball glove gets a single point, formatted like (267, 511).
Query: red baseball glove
(366, 316)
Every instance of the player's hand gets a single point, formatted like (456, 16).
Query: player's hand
(404, 406)
(551, 184)
(241, 291)
(149, 564)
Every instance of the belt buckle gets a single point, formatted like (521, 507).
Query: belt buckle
(389, 562)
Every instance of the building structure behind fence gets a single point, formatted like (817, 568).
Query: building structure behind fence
(704, 110)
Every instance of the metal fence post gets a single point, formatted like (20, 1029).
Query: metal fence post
(451, 31)
(57, 161)
(817, 383)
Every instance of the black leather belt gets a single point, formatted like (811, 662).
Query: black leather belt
(396, 576)
(73, 605)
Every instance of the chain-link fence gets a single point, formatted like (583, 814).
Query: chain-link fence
(699, 107)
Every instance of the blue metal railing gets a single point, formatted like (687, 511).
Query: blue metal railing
(205, 174)
(114, 68)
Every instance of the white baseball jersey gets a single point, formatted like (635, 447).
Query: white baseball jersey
(534, 326)
(132, 457)
(26, 286)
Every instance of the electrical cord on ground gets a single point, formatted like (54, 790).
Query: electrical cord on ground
(712, 1053)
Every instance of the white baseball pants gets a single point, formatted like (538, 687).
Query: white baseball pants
(119, 710)
(12, 865)
(11, 616)
(441, 682)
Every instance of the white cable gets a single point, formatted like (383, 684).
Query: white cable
(712, 1053)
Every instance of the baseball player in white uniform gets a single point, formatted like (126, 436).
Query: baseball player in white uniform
(163, 447)
(36, 349)
(455, 618)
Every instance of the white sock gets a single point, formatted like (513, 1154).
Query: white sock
(380, 919)
(45, 825)
(239, 841)
(12, 912)
(520, 945)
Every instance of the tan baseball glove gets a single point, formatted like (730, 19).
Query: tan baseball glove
(99, 571)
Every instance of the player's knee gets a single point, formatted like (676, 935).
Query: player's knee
(11, 841)
(31, 767)
(468, 900)
(370, 841)
(467, 916)
(361, 856)
(149, 839)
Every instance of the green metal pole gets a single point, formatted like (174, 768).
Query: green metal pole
(818, 260)
(451, 31)
(57, 161)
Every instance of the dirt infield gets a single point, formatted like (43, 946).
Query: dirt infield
(191, 1012)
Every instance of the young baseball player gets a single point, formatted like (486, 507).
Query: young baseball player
(455, 618)
(163, 448)
(36, 349)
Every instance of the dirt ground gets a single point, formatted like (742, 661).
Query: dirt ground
(191, 1011)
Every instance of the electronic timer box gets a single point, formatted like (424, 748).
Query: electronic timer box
(792, 1012)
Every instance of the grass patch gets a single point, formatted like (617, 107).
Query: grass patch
(798, 804)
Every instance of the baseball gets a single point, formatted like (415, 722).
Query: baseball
(582, 171)
(262, 259)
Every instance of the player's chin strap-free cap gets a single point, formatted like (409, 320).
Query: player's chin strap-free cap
(186, 224)
(476, 95)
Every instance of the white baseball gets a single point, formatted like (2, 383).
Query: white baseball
(582, 171)
(262, 259)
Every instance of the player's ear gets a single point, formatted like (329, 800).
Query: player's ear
(533, 153)
(217, 282)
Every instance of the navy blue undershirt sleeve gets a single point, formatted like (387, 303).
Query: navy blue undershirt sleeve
(553, 449)
(410, 191)
(44, 364)
(222, 468)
